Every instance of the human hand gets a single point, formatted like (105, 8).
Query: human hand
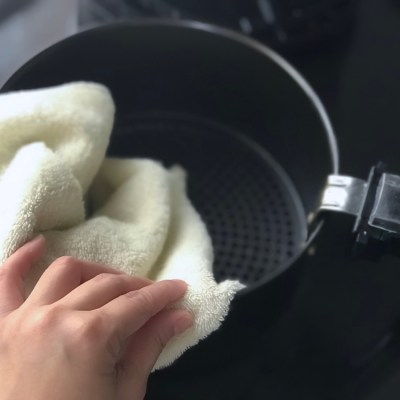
(85, 332)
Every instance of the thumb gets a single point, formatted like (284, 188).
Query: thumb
(146, 346)
(15, 270)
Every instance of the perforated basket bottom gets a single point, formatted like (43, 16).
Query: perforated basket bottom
(250, 207)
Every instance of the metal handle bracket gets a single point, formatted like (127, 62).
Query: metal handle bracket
(376, 205)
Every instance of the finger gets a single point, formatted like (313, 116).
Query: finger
(15, 270)
(63, 276)
(147, 344)
(101, 289)
(129, 312)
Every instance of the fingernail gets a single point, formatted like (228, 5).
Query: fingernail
(181, 283)
(183, 322)
(36, 239)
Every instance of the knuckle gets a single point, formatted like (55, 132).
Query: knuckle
(89, 330)
(45, 319)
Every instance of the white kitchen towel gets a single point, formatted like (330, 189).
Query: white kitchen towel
(130, 214)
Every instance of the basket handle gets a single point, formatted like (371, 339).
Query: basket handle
(376, 205)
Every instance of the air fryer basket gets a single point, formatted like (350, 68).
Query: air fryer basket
(251, 133)
(251, 208)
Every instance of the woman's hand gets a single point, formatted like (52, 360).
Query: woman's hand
(85, 332)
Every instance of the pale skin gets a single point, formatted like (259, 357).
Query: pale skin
(86, 331)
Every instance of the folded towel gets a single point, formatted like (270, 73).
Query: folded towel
(52, 170)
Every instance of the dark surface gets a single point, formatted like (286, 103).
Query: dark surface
(283, 23)
(339, 340)
(352, 306)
